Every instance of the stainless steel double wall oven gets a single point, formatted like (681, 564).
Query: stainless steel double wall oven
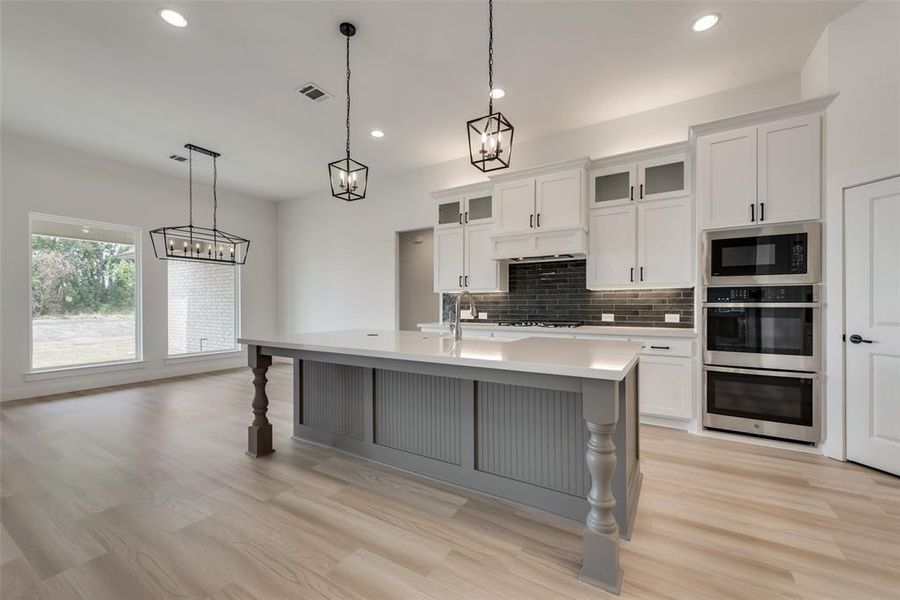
(762, 330)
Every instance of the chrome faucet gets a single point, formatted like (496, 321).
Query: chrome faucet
(457, 331)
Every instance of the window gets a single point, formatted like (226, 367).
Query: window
(85, 282)
(203, 308)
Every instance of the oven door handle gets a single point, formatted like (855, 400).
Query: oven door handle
(787, 374)
(762, 305)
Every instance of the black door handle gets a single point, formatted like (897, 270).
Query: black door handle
(539, 220)
(752, 214)
(642, 190)
(460, 281)
(460, 218)
(631, 195)
(632, 275)
(660, 347)
(642, 273)
(858, 339)
(762, 212)
(531, 221)
(466, 279)
(467, 216)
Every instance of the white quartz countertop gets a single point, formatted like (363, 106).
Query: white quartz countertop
(682, 332)
(590, 359)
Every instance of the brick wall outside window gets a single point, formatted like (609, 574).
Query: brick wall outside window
(202, 306)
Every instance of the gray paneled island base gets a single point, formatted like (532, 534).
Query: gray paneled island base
(550, 423)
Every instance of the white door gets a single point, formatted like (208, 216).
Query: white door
(872, 289)
(448, 259)
(789, 175)
(450, 213)
(612, 248)
(559, 200)
(665, 243)
(514, 201)
(665, 386)
(726, 178)
(613, 185)
(666, 177)
(481, 270)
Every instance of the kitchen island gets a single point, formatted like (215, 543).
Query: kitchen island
(550, 423)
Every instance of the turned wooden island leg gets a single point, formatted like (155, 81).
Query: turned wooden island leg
(600, 407)
(259, 434)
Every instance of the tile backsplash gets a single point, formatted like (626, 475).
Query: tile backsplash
(555, 291)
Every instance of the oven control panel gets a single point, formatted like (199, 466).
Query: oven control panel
(798, 254)
(775, 293)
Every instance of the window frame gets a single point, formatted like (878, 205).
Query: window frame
(128, 363)
(196, 356)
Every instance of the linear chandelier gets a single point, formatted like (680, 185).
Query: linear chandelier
(349, 178)
(490, 136)
(194, 243)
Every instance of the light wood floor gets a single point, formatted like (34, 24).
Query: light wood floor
(145, 492)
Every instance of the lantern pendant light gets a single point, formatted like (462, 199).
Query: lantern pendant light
(199, 244)
(490, 136)
(349, 178)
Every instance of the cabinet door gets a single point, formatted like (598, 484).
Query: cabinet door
(665, 177)
(610, 186)
(665, 243)
(481, 271)
(479, 208)
(450, 213)
(448, 259)
(514, 201)
(789, 174)
(612, 247)
(726, 178)
(559, 200)
(664, 386)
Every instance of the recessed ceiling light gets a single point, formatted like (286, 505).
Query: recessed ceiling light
(705, 22)
(497, 93)
(85, 230)
(377, 133)
(173, 18)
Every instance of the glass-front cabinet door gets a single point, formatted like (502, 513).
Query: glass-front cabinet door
(479, 208)
(665, 177)
(450, 213)
(610, 186)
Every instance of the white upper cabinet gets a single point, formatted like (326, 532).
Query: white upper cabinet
(610, 186)
(558, 200)
(789, 170)
(514, 201)
(726, 178)
(449, 255)
(766, 172)
(611, 261)
(665, 255)
(479, 208)
(665, 177)
(450, 213)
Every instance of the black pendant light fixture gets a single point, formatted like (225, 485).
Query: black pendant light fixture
(490, 136)
(348, 177)
(199, 244)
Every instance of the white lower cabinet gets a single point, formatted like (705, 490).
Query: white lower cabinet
(665, 386)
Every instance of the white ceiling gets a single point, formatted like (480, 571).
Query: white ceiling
(114, 79)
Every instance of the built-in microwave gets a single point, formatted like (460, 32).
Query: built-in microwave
(774, 254)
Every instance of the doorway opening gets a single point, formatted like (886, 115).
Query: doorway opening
(416, 300)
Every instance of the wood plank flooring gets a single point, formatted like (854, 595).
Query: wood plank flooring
(144, 492)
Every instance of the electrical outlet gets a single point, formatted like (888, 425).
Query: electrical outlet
(607, 317)
(482, 315)
(465, 314)
(673, 318)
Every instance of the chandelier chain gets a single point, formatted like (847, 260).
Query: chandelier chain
(490, 56)
(215, 197)
(348, 100)
(190, 187)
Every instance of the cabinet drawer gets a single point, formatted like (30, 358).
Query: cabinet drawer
(665, 347)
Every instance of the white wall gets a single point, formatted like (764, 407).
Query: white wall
(342, 273)
(858, 57)
(39, 177)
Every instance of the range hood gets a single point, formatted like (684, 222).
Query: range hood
(545, 258)
(557, 244)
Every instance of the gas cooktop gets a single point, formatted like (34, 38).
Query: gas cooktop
(539, 324)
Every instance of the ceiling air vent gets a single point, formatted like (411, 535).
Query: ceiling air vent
(314, 92)
(177, 157)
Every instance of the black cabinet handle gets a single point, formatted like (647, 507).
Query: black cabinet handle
(660, 347)
(752, 214)
(460, 218)
(858, 339)
(467, 216)
(632, 194)
(632, 275)
(762, 212)
(531, 221)
(539, 220)
(642, 191)
(642, 273)
(466, 279)
(460, 281)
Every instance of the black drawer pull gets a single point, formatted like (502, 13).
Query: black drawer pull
(660, 347)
